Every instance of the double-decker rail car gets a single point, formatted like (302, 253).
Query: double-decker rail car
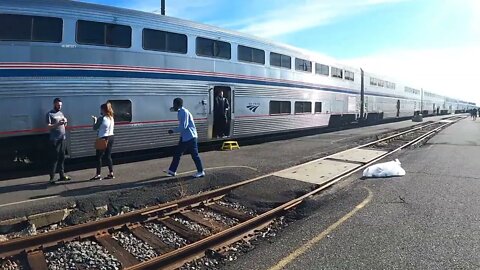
(88, 54)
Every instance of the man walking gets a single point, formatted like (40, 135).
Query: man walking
(220, 109)
(57, 122)
(188, 140)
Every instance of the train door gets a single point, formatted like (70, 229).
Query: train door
(222, 111)
(398, 108)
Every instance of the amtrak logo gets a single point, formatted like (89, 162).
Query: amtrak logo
(253, 106)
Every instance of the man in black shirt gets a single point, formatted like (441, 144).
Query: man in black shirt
(220, 108)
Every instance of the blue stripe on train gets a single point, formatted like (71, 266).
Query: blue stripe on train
(171, 76)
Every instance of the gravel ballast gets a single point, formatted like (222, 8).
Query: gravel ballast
(85, 254)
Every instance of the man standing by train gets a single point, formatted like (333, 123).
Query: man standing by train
(220, 109)
(188, 140)
(57, 122)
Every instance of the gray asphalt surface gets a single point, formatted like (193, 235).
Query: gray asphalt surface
(428, 219)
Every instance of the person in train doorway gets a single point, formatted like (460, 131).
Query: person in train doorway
(57, 122)
(188, 140)
(220, 108)
(104, 125)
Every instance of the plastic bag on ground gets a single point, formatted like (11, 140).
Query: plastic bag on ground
(392, 168)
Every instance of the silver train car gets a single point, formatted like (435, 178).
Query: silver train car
(88, 54)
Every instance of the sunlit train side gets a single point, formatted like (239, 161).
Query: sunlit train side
(87, 54)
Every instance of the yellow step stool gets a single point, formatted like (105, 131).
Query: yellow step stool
(230, 145)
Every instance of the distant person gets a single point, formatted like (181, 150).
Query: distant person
(475, 112)
(57, 122)
(220, 109)
(188, 140)
(104, 125)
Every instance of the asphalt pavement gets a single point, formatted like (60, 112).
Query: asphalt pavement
(428, 219)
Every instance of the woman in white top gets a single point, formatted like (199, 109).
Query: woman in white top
(104, 125)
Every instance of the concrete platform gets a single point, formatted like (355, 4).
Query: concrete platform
(29, 195)
(427, 219)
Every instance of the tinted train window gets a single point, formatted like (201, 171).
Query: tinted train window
(163, 41)
(337, 72)
(318, 107)
(213, 48)
(30, 28)
(303, 107)
(280, 60)
(251, 55)
(322, 69)
(349, 75)
(104, 34)
(122, 110)
(303, 65)
(280, 107)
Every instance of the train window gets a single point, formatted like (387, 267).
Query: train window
(122, 110)
(30, 28)
(303, 107)
(104, 34)
(373, 81)
(322, 69)
(337, 72)
(381, 83)
(213, 48)
(349, 75)
(391, 85)
(318, 107)
(280, 107)
(251, 55)
(280, 60)
(156, 40)
(303, 65)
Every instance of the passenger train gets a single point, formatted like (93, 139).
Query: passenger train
(88, 54)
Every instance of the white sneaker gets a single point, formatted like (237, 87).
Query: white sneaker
(199, 174)
(170, 173)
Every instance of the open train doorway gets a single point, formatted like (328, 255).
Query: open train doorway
(398, 108)
(222, 100)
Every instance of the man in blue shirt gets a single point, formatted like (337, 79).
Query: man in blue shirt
(188, 139)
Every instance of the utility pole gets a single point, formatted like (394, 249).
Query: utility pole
(163, 8)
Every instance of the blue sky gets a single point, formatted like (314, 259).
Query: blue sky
(431, 44)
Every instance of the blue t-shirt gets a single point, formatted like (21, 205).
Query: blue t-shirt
(186, 125)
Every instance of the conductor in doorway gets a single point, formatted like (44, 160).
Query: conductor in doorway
(188, 140)
(220, 108)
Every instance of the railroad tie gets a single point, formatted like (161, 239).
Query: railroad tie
(156, 243)
(213, 225)
(182, 230)
(229, 212)
(36, 260)
(123, 256)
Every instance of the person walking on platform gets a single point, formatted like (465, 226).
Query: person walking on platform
(474, 114)
(220, 109)
(57, 122)
(188, 140)
(105, 138)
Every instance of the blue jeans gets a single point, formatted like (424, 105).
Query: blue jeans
(192, 147)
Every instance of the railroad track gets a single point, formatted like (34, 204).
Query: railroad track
(197, 223)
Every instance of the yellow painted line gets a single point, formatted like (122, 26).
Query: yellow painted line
(304, 248)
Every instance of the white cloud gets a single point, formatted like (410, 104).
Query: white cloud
(293, 16)
(451, 72)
